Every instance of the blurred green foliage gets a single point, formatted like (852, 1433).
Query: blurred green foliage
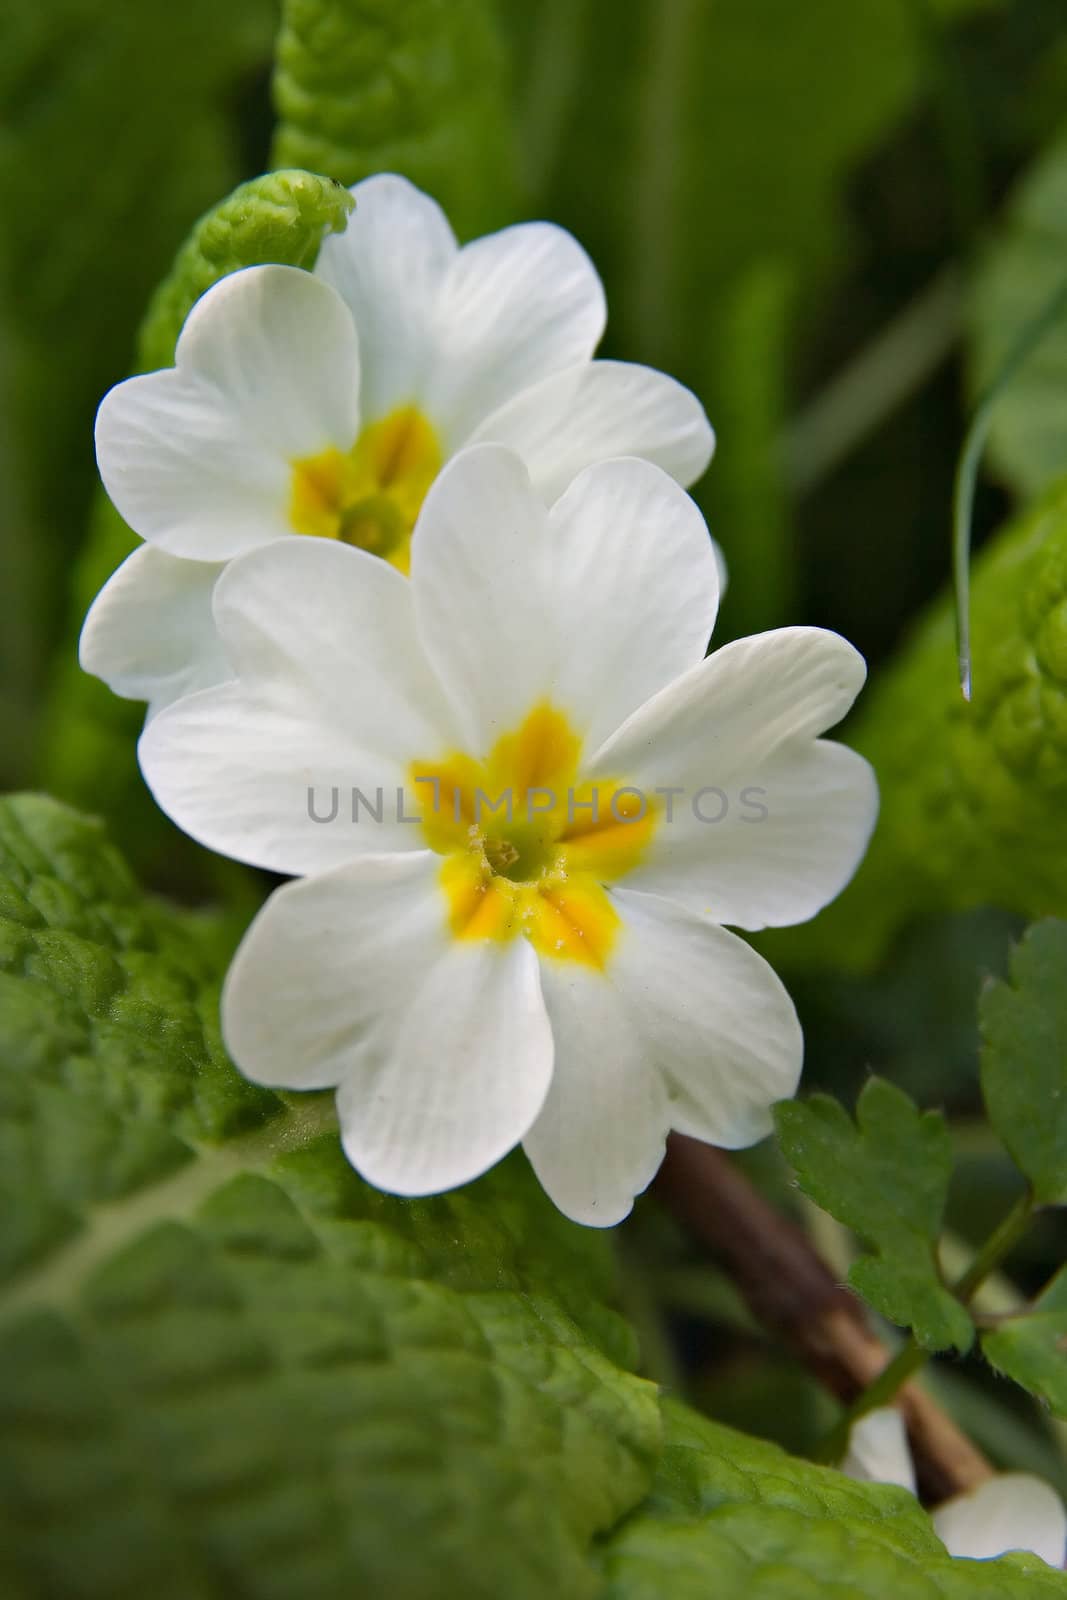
(409, 86)
(730, 132)
(1024, 1074)
(769, 191)
(973, 794)
(90, 747)
(1023, 266)
(118, 125)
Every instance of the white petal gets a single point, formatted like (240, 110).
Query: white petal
(197, 458)
(327, 964)
(724, 570)
(332, 692)
(389, 266)
(459, 1082)
(634, 592)
(599, 1139)
(1012, 1511)
(687, 1028)
(878, 1450)
(715, 1019)
(767, 824)
(441, 1049)
(514, 307)
(598, 410)
(150, 633)
(594, 607)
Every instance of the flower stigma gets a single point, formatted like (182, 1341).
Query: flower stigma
(370, 495)
(527, 847)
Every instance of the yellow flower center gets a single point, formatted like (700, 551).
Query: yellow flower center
(370, 495)
(528, 848)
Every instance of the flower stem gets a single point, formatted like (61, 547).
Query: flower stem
(790, 1290)
(907, 1361)
(1000, 1243)
(911, 1356)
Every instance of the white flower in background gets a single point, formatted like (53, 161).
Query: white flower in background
(560, 976)
(1011, 1511)
(326, 404)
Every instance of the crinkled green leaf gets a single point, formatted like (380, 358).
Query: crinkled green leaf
(1032, 1347)
(117, 127)
(111, 1069)
(1024, 266)
(886, 1176)
(226, 1364)
(1024, 1059)
(734, 1518)
(91, 733)
(412, 86)
(973, 795)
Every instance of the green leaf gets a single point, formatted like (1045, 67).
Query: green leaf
(738, 1519)
(886, 1176)
(418, 87)
(91, 734)
(1024, 1059)
(972, 793)
(110, 1064)
(1024, 265)
(119, 125)
(226, 1364)
(1032, 1348)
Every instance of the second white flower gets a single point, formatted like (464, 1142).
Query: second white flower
(560, 802)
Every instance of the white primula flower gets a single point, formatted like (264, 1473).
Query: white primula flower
(326, 404)
(525, 942)
(1011, 1511)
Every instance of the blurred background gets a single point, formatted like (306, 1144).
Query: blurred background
(829, 219)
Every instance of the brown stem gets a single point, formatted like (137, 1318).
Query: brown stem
(793, 1293)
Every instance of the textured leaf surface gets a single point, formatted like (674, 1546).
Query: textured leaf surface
(411, 86)
(226, 1365)
(886, 1176)
(1032, 1348)
(1024, 266)
(736, 1519)
(92, 733)
(973, 795)
(229, 1367)
(111, 1063)
(1024, 1059)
